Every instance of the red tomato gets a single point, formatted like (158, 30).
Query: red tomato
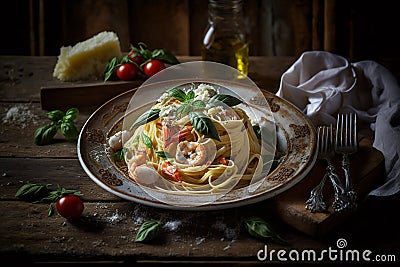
(127, 71)
(135, 57)
(152, 67)
(70, 207)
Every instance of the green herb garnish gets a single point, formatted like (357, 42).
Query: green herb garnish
(146, 117)
(228, 100)
(40, 193)
(148, 231)
(259, 228)
(59, 120)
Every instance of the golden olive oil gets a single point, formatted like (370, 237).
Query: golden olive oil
(225, 38)
(229, 51)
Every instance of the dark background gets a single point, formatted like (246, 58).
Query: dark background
(357, 30)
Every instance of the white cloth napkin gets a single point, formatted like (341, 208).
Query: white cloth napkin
(323, 84)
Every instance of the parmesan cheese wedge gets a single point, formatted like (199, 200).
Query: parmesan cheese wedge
(88, 59)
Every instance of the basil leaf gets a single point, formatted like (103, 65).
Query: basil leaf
(55, 115)
(163, 154)
(43, 135)
(198, 104)
(203, 124)
(112, 65)
(125, 59)
(190, 95)
(259, 228)
(177, 94)
(69, 130)
(165, 56)
(146, 53)
(257, 131)
(226, 99)
(148, 231)
(50, 198)
(146, 117)
(71, 114)
(183, 109)
(146, 140)
(32, 192)
(119, 156)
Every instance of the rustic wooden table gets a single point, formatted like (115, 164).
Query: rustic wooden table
(106, 231)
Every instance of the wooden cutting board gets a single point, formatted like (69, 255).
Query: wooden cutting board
(83, 95)
(367, 170)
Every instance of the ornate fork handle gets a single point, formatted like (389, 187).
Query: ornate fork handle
(341, 201)
(316, 203)
(349, 187)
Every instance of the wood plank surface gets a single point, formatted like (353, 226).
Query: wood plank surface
(108, 226)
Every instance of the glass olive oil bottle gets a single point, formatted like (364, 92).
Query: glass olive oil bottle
(225, 38)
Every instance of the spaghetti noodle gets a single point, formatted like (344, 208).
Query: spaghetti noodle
(196, 140)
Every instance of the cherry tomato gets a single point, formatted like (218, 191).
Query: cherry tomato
(127, 71)
(70, 207)
(135, 57)
(152, 67)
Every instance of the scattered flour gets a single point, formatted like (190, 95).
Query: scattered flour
(115, 217)
(20, 115)
(172, 225)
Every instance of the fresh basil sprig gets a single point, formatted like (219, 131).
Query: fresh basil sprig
(40, 193)
(59, 120)
(148, 231)
(164, 56)
(44, 134)
(159, 54)
(200, 121)
(259, 228)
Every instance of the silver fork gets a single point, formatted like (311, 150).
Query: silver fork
(316, 203)
(326, 152)
(346, 144)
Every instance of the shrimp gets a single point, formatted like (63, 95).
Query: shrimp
(115, 141)
(136, 161)
(171, 171)
(192, 153)
(140, 171)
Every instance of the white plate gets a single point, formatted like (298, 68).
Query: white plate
(295, 135)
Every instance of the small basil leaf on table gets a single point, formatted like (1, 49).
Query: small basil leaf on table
(71, 114)
(32, 192)
(68, 129)
(55, 115)
(259, 228)
(148, 231)
(44, 134)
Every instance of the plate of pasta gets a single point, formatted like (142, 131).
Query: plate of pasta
(197, 145)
